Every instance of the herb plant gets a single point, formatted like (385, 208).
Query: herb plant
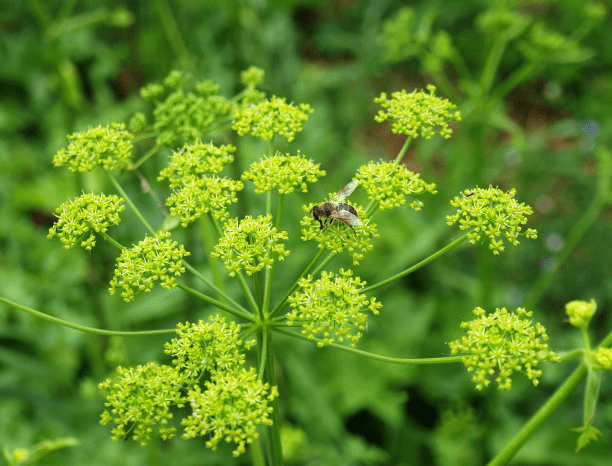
(211, 387)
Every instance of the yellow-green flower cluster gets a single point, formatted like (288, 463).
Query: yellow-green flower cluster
(184, 116)
(285, 173)
(250, 244)
(252, 77)
(227, 401)
(269, 117)
(418, 114)
(500, 344)
(203, 195)
(332, 308)
(603, 358)
(389, 184)
(85, 215)
(156, 258)
(580, 312)
(492, 214)
(107, 146)
(339, 237)
(196, 160)
(211, 347)
(139, 402)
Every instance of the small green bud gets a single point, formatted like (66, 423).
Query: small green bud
(580, 312)
(252, 77)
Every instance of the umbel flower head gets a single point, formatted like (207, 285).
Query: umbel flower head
(389, 184)
(285, 173)
(156, 258)
(202, 195)
(269, 117)
(107, 146)
(250, 244)
(332, 308)
(226, 401)
(339, 237)
(85, 215)
(184, 116)
(500, 344)
(492, 214)
(418, 114)
(195, 160)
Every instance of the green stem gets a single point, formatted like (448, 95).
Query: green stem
(418, 265)
(273, 432)
(492, 64)
(376, 357)
(171, 28)
(247, 293)
(308, 268)
(508, 452)
(150, 153)
(130, 203)
(213, 262)
(209, 299)
(95, 331)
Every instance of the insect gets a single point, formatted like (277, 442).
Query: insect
(335, 209)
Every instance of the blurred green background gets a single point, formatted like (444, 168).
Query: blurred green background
(534, 85)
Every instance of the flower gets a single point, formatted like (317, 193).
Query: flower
(156, 258)
(493, 214)
(332, 308)
(250, 244)
(389, 184)
(107, 146)
(418, 114)
(270, 117)
(285, 173)
(85, 215)
(580, 312)
(499, 344)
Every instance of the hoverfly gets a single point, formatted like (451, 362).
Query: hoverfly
(335, 209)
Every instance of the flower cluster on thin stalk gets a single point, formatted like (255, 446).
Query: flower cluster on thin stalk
(418, 114)
(339, 237)
(197, 188)
(156, 258)
(498, 345)
(332, 308)
(109, 147)
(270, 117)
(225, 400)
(250, 244)
(491, 214)
(284, 173)
(196, 160)
(184, 115)
(389, 184)
(80, 218)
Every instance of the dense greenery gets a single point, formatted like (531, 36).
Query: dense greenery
(283, 104)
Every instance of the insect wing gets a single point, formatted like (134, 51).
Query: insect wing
(346, 217)
(345, 192)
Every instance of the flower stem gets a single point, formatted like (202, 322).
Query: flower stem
(131, 204)
(82, 328)
(272, 432)
(418, 265)
(209, 299)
